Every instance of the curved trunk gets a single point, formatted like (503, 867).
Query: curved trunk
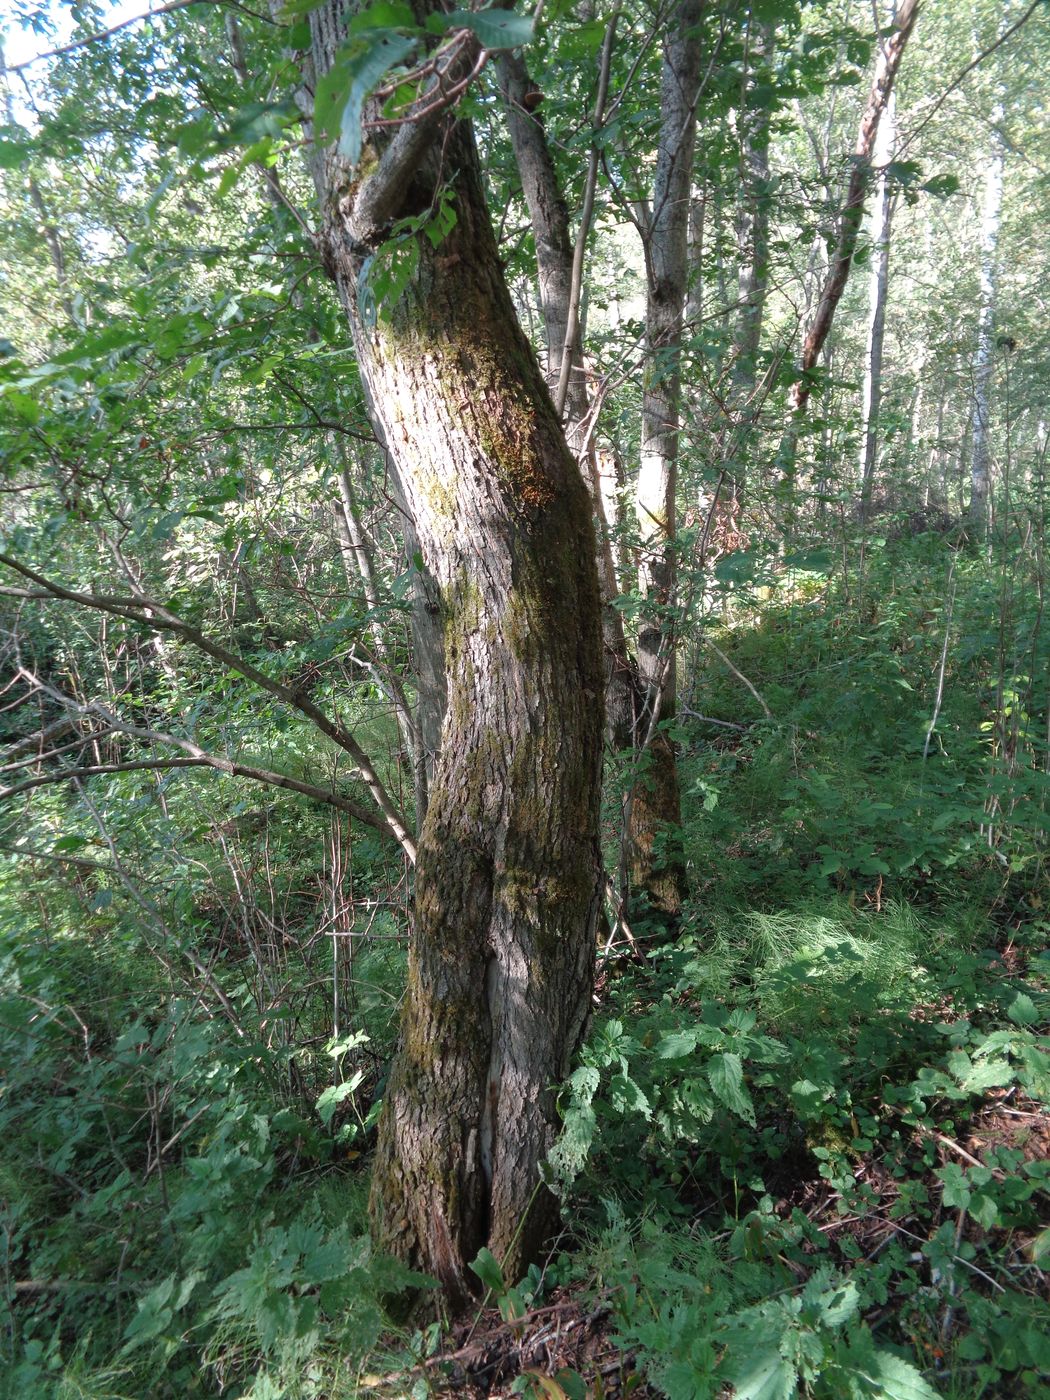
(507, 894)
(555, 252)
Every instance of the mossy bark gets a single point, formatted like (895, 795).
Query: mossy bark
(507, 890)
(549, 216)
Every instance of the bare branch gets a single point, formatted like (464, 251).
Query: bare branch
(58, 730)
(150, 613)
(99, 34)
(955, 83)
(197, 758)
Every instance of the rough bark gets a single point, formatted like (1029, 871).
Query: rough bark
(655, 804)
(555, 257)
(507, 892)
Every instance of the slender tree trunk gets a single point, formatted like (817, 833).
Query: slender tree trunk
(984, 355)
(878, 287)
(752, 223)
(507, 890)
(848, 232)
(359, 566)
(655, 804)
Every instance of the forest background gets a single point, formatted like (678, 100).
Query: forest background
(784, 268)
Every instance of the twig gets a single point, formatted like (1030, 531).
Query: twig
(944, 661)
(740, 676)
(987, 53)
(100, 34)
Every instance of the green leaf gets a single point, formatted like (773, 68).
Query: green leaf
(153, 1317)
(988, 1074)
(985, 1210)
(627, 1097)
(897, 1379)
(1022, 1010)
(572, 1383)
(496, 29)
(357, 69)
(487, 1268)
(726, 1074)
(512, 1306)
(674, 1046)
(335, 1094)
(941, 186)
(955, 1190)
(762, 1375)
(70, 843)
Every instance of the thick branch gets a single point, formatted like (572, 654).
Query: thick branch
(380, 196)
(224, 765)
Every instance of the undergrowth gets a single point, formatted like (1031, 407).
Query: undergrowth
(805, 1146)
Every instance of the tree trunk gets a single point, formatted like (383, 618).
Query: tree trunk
(984, 355)
(507, 892)
(752, 223)
(848, 232)
(878, 287)
(655, 803)
(554, 262)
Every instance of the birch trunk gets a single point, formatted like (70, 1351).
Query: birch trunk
(507, 892)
